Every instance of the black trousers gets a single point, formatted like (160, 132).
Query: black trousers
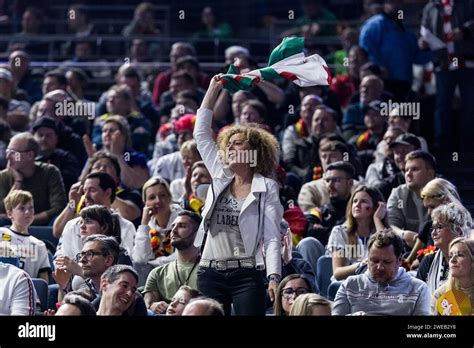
(243, 287)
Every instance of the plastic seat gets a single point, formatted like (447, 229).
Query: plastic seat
(41, 287)
(45, 233)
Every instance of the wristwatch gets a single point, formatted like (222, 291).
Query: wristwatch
(274, 278)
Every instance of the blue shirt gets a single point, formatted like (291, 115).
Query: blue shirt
(392, 47)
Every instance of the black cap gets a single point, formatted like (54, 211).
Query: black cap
(45, 122)
(373, 105)
(407, 139)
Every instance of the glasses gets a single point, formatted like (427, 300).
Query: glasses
(289, 292)
(335, 179)
(12, 151)
(88, 255)
(438, 227)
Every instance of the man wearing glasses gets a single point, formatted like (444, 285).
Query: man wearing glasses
(338, 180)
(42, 180)
(98, 255)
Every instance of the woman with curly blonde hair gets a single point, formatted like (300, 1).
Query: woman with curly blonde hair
(242, 213)
(260, 140)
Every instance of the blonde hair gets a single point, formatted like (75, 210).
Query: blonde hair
(305, 303)
(452, 282)
(17, 197)
(266, 145)
(154, 181)
(440, 189)
(190, 147)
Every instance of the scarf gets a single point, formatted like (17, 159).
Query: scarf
(438, 272)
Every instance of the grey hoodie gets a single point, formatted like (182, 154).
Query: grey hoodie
(404, 295)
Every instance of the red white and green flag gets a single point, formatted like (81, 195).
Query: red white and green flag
(288, 61)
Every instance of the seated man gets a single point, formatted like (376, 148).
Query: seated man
(164, 281)
(314, 194)
(42, 180)
(118, 285)
(99, 188)
(203, 306)
(385, 288)
(339, 183)
(46, 133)
(406, 212)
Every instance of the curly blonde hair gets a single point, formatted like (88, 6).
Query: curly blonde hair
(266, 145)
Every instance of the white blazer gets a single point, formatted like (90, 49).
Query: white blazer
(261, 213)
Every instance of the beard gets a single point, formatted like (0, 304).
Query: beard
(183, 244)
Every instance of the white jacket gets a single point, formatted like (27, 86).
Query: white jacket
(261, 212)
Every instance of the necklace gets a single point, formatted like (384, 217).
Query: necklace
(189, 275)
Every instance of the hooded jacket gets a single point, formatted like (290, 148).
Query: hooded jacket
(404, 295)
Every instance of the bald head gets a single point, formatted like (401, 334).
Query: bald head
(203, 307)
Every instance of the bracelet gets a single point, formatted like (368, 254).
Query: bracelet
(274, 278)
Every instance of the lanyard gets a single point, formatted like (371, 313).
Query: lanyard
(189, 275)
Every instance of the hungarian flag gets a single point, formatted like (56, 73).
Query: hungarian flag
(288, 61)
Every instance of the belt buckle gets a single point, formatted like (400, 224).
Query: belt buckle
(220, 265)
(233, 264)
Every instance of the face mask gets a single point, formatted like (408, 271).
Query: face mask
(201, 191)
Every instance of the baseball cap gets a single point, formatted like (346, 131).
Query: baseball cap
(45, 122)
(407, 139)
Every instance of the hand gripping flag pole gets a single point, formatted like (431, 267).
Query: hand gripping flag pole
(287, 61)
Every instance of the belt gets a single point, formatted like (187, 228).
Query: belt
(229, 264)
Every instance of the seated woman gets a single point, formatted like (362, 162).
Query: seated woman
(366, 214)
(196, 190)
(152, 241)
(461, 274)
(189, 156)
(435, 193)
(116, 140)
(311, 304)
(289, 289)
(95, 219)
(450, 221)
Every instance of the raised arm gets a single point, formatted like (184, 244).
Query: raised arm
(203, 129)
